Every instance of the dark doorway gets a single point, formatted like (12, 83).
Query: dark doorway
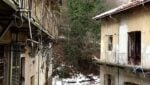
(108, 79)
(134, 48)
(129, 83)
(22, 71)
(32, 80)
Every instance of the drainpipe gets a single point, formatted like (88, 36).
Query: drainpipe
(118, 71)
(38, 70)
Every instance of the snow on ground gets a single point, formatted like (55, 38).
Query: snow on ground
(78, 80)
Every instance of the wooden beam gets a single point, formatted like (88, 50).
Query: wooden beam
(6, 29)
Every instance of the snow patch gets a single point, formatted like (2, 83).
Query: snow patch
(77, 80)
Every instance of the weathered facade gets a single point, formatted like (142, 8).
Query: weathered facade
(125, 44)
(27, 31)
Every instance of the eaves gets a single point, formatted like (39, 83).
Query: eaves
(120, 9)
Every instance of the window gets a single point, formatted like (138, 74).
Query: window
(30, 4)
(2, 65)
(109, 80)
(129, 83)
(110, 43)
(1, 73)
(134, 47)
(22, 70)
(60, 2)
(32, 80)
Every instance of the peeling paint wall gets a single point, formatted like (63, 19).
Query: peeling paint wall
(136, 20)
(109, 28)
(122, 75)
(123, 41)
(35, 66)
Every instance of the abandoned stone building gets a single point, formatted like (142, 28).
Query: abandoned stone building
(125, 44)
(28, 29)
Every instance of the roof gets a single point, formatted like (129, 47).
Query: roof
(121, 9)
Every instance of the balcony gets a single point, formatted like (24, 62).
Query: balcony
(41, 15)
(122, 60)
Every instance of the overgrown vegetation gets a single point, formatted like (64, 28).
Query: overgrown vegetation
(83, 35)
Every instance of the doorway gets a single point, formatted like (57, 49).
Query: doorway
(109, 80)
(134, 48)
(22, 70)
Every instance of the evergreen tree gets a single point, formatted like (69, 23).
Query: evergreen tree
(83, 37)
(83, 30)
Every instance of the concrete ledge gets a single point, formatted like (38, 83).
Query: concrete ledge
(121, 65)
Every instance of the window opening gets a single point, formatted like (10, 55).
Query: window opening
(129, 83)
(2, 65)
(110, 42)
(32, 80)
(134, 48)
(109, 79)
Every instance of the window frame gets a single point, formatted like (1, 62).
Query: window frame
(110, 43)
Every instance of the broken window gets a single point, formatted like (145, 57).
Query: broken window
(110, 42)
(134, 47)
(109, 80)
